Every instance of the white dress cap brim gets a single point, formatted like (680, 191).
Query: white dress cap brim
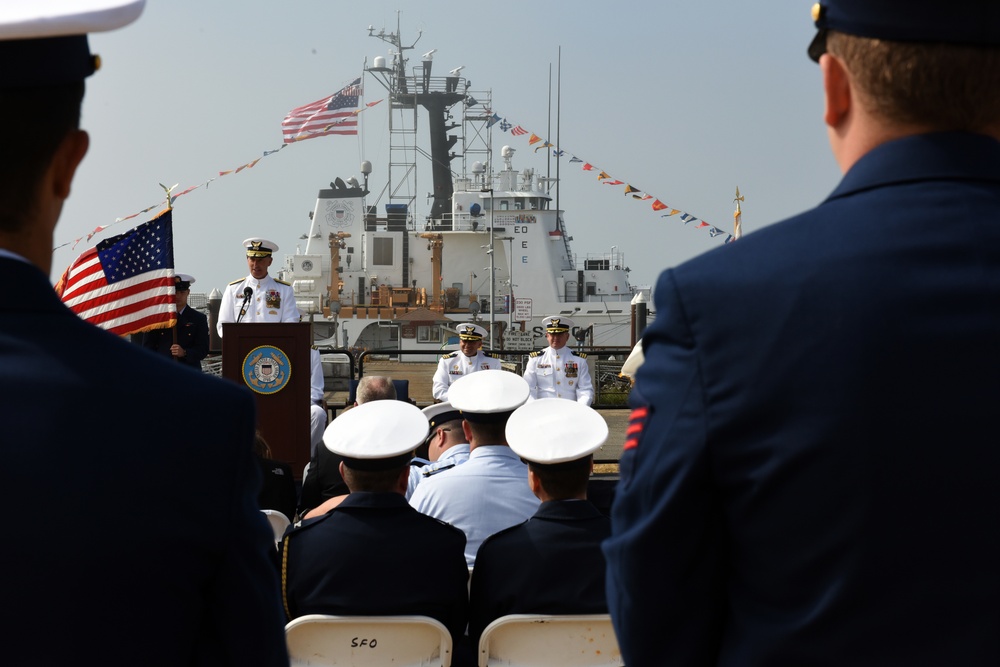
(34, 19)
(377, 430)
(488, 391)
(555, 430)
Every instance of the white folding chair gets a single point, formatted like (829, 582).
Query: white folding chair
(279, 522)
(360, 641)
(541, 640)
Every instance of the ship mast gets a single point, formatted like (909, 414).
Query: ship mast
(435, 94)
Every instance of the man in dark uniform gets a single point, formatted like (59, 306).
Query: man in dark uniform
(812, 476)
(552, 563)
(187, 342)
(117, 563)
(359, 558)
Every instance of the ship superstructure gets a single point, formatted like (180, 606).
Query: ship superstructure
(492, 247)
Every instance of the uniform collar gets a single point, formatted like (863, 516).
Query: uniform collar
(924, 157)
(13, 255)
(454, 451)
(567, 510)
(370, 499)
(34, 291)
(499, 451)
(262, 281)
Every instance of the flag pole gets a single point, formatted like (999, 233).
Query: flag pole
(737, 216)
(170, 207)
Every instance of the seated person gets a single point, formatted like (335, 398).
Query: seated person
(489, 492)
(324, 482)
(552, 563)
(360, 558)
(277, 491)
(317, 402)
(446, 444)
(469, 359)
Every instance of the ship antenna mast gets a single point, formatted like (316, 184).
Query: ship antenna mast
(395, 39)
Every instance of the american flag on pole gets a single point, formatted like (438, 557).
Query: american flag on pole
(126, 283)
(336, 114)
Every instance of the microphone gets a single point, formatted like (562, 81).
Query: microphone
(247, 294)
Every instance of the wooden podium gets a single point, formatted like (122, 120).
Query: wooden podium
(273, 361)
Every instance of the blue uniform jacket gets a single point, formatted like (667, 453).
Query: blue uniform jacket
(815, 480)
(139, 530)
(550, 564)
(192, 335)
(375, 555)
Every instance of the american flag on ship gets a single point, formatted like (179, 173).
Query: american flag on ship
(336, 114)
(126, 283)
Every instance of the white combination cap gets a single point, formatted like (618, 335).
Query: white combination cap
(554, 430)
(183, 279)
(557, 324)
(258, 247)
(378, 435)
(470, 331)
(439, 413)
(488, 395)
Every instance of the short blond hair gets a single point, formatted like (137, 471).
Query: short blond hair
(945, 87)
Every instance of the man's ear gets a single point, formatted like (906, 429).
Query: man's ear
(836, 90)
(67, 158)
(534, 483)
(404, 480)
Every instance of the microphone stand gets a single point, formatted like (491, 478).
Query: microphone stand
(247, 293)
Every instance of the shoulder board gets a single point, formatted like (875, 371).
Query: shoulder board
(534, 354)
(449, 356)
(428, 473)
(282, 282)
(493, 355)
(582, 355)
(238, 280)
(419, 462)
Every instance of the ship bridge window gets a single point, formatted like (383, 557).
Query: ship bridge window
(518, 204)
(596, 264)
(382, 251)
(504, 204)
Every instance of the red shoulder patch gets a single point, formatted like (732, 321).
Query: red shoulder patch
(636, 423)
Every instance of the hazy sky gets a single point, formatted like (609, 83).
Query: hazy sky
(682, 100)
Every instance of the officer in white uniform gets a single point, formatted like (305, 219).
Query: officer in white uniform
(469, 359)
(489, 492)
(270, 300)
(317, 400)
(446, 444)
(557, 371)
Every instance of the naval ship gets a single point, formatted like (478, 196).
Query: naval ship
(493, 248)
